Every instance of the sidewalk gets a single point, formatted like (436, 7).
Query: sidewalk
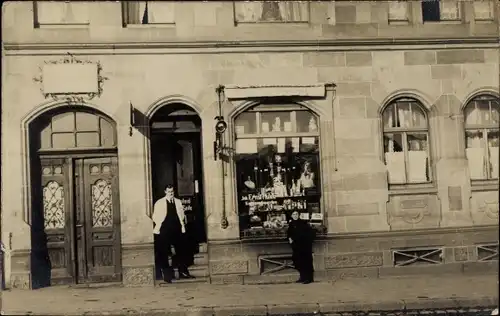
(206, 299)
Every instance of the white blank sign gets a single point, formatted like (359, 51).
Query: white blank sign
(70, 78)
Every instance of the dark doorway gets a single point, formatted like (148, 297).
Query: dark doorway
(176, 159)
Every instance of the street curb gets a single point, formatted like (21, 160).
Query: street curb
(424, 303)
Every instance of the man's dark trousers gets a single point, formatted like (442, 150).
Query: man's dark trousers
(171, 235)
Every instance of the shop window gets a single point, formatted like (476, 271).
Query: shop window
(77, 129)
(148, 12)
(406, 142)
(271, 11)
(277, 168)
(437, 10)
(484, 10)
(482, 137)
(398, 12)
(61, 13)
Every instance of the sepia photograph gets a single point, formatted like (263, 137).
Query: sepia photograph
(314, 157)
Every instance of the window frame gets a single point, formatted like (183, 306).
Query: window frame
(439, 8)
(425, 186)
(485, 130)
(38, 25)
(47, 122)
(396, 21)
(126, 17)
(283, 107)
(260, 22)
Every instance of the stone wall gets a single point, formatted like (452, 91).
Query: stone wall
(377, 255)
(148, 66)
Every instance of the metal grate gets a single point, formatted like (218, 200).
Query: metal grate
(487, 252)
(417, 256)
(274, 264)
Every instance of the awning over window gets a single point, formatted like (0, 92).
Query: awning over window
(262, 91)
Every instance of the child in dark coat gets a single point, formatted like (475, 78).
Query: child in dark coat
(301, 237)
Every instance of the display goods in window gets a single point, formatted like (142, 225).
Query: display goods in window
(277, 163)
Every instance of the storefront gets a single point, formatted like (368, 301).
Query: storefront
(389, 148)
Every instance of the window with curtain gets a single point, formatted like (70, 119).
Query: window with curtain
(441, 10)
(406, 142)
(61, 13)
(482, 137)
(271, 11)
(277, 168)
(148, 12)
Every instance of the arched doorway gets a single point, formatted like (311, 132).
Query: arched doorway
(176, 159)
(75, 215)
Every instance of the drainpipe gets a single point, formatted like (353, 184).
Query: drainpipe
(220, 145)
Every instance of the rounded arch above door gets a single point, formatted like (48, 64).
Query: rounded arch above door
(72, 128)
(175, 117)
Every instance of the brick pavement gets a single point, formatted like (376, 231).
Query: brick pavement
(205, 299)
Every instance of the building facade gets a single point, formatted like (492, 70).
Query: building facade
(378, 121)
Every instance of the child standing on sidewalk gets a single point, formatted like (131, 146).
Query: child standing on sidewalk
(301, 236)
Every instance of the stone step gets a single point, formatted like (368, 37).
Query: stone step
(182, 281)
(203, 247)
(199, 271)
(201, 259)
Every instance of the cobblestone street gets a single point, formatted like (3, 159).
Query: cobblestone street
(396, 294)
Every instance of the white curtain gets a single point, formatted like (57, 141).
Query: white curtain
(250, 11)
(289, 11)
(450, 10)
(161, 12)
(395, 162)
(294, 11)
(494, 162)
(62, 12)
(417, 168)
(475, 156)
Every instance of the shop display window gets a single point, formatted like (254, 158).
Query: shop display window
(277, 168)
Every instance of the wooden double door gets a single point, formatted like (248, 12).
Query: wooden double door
(78, 239)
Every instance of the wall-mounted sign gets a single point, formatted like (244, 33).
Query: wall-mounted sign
(71, 79)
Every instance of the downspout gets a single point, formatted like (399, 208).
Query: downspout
(220, 145)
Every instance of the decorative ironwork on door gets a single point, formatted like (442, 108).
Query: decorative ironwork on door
(53, 205)
(102, 204)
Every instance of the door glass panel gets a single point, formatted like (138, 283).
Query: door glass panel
(107, 134)
(64, 122)
(185, 177)
(63, 140)
(87, 139)
(102, 204)
(86, 122)
(53, 205)
(45, 138)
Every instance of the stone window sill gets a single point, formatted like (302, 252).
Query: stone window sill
(484, 185)
(405, 189)
(150, 26)
(268, 234)
(445, 22)
(63, 26)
